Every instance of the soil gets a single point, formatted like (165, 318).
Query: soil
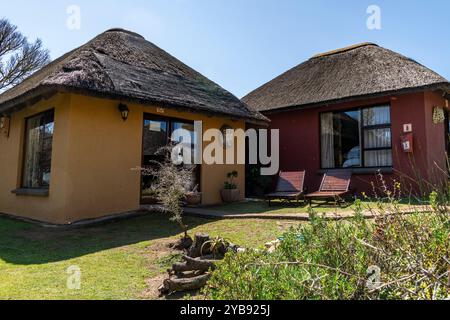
(154, 254)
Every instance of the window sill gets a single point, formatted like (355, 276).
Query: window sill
(31, 192)
(362, 171)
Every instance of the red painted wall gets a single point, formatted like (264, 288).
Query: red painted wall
(300, 142)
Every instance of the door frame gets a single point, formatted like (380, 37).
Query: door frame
(170, 120)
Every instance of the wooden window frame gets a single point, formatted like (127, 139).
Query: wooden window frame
(24, 152)
(362, 129)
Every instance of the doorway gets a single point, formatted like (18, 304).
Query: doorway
(158, 132)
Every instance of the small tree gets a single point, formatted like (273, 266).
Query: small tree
(171, 184)
(18, 57)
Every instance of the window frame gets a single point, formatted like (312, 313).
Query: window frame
(24, 150)
(170, 120)
(362, 129)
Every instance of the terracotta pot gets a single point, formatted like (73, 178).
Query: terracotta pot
(230, 195)
(193, 198)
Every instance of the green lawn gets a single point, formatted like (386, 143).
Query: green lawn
(115, 259)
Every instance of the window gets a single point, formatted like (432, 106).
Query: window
(357, 138)
(377, 137)
(340, 139)
(155, 137)
(38, 150)
(158, 133)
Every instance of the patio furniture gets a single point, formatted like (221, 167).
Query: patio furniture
(290, 186)
(334, 186)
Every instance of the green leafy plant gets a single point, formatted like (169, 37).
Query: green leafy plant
(230, 184)
(394, 256)
(217, 246)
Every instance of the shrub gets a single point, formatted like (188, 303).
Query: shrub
(170, 185)
(394, 257)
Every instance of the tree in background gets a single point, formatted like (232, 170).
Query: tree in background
(19, 58)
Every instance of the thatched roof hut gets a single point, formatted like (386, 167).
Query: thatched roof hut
(120, 64)
(357, 72)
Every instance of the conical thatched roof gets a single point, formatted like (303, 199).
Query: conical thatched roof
(122, 65)
(352, 73)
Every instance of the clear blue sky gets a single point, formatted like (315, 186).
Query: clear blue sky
(241, 44)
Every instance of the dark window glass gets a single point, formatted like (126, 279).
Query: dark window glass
(155, 137)
(160, 133)
(341, 140)
(186, 137)
(377, 137)
(358, 138)
(38, 151)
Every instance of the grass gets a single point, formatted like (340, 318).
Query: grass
(114, 259)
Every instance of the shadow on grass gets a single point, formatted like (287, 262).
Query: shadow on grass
(23, 243)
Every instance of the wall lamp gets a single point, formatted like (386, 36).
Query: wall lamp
(124, 111)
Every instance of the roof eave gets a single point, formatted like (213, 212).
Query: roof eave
(45, 91)
(444, 86)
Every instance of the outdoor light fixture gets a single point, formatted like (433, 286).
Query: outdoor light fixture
(124, 111)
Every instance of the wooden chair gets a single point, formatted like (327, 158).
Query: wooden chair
(335, 185)
(290, 186)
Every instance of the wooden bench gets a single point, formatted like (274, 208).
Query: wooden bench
(290, 186)
(335, 185)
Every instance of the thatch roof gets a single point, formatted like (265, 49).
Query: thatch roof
(122, 65)
(357, 72)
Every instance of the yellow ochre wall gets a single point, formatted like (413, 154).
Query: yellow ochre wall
(94, 152)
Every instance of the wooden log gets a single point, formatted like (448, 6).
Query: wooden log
(189, 274)
(183, 244)
(185, 284)
(191, 264)
(196, 248)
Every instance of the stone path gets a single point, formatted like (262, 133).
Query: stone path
(369, 214)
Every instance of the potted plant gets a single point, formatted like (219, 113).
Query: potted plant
(193, 198)
(230, 192)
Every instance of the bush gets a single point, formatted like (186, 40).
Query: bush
(394, 257)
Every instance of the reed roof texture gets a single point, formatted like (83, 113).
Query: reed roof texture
(122, 65)
(357, 72)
